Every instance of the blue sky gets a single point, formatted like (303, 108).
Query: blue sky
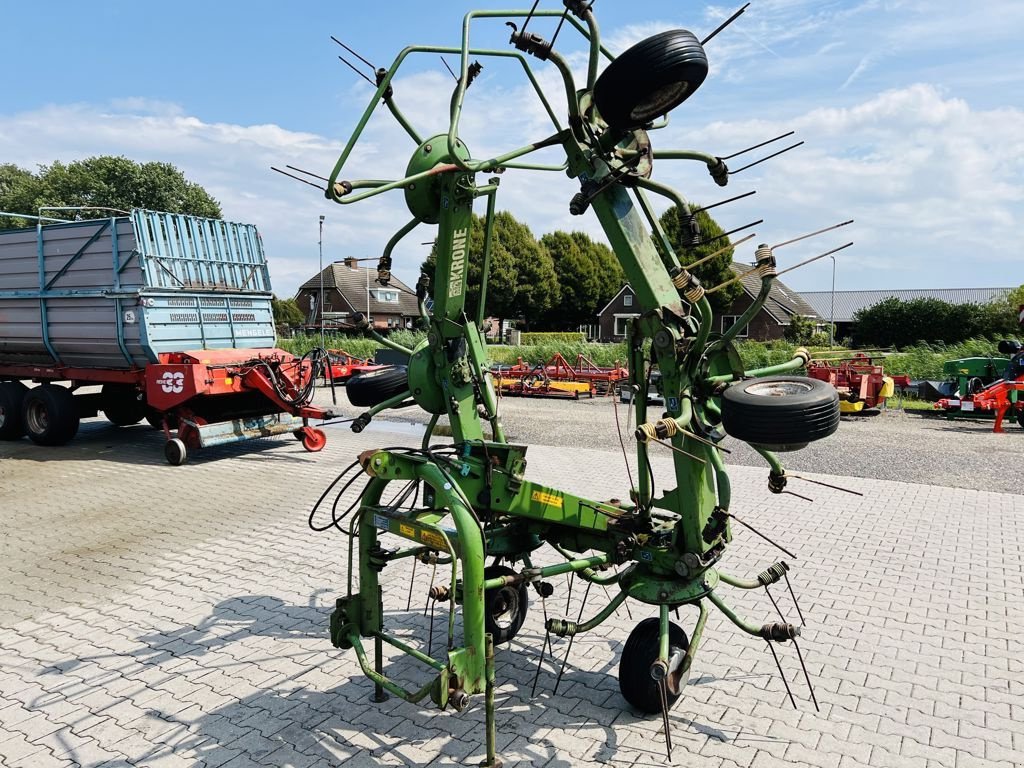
(912, 113)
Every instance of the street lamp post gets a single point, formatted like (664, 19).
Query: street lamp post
(320, 308)
(832, 311)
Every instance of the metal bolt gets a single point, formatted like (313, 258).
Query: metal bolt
(427, 148)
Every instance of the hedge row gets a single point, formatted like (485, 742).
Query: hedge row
(530, 338)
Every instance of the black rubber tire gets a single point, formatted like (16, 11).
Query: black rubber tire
(639, 652)
(374, 387)
(12, 422)
(121, 405)
(504, 608)
(50, 415)
(1009, 346)
(650, 79)
(782, 413)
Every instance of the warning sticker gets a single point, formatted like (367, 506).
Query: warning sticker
(407, 530)
(548, 499)
(433, 540)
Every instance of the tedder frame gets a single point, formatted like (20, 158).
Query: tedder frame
(469, 502)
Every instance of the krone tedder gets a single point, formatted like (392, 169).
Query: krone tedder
(469, 503)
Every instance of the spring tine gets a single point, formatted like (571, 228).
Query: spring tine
(433, 573)
(308, 173)
(290, 176)
(353, 53)
(827, 485)
(777, 609)
(812, 234)
(756, 146)
(348, 64)
(586, 594)
(663, 695)
(782, 674)
(540, 662)
(568, 597)
(723, 202)
(718, 29)
(445, 62)
(806, 675)
(768, 157)
(679, 450)
(752, 528)
(719, 252)
(733, 231)
(799, 496)
(819, 256)
(793, 595)
(412, 583)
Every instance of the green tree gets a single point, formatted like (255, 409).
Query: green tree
(286, 312)
(713, 272)
(893, 322)
(103, 182)
(800, 330)
(522, 280)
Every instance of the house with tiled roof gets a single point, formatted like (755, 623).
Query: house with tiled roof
(345, 288)
(770, 323)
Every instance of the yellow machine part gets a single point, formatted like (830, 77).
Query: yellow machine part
(578, 387)
(845, 406)
(888, 388)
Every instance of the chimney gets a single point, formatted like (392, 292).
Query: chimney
(351, 263)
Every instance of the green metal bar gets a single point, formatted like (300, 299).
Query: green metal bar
(405, 648)
(668, 253)
(730, 333)
(485, 269)
(603, 614)
(735, 581)
(377, 336)
(746, 626)
(429, 432)
(685, 154)
(798, 361)
(663, 638)
(405, 230)
(390, 403)
(772, 459)
(722, 482)
(382, 680)
(491, 760)
(698, 631)
(402, 121)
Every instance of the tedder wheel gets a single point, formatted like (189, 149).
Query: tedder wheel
(175, 452)
(12, 424)
(121, 405)
(50, 415)
(650, 79)
(313, 440)
(504, 607)
(639, 652)
(374, 387)
(782, 413)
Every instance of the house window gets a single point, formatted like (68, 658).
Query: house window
(728, 321)
(627, 300)
(387, 297)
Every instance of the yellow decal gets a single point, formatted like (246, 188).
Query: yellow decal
(407, 530)
(548, 499)
(433, 540)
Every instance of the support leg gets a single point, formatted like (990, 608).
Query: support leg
(491, 761)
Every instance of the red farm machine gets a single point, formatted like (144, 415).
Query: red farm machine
(859, 380)
(558, 378)
(1001, 398)
(168, 316)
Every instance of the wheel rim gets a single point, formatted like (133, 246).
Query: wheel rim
(505, 607)
(36, 418)
(660, 101)
(778, 388)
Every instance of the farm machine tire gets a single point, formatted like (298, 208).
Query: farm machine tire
(650, 79)
(175, 452)
(782, 413)
(50, 415)
(121, 405)
(504, 607)
(374, 387)
(12, 423)
(312, 439)
(639, 652)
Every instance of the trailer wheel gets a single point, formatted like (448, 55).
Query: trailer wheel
(313, 440)
(504, 607)
(121, 405)
(374, 387)
(639, 652)
(650, 79)
(175, 452)
(12, 424)
(50, 415)
(782, 413)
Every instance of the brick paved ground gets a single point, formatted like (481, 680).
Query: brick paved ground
(176, 616)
